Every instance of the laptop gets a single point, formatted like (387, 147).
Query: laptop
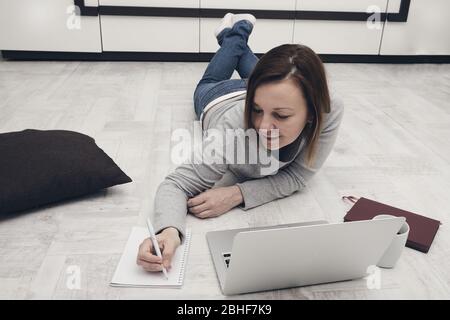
(300, 254)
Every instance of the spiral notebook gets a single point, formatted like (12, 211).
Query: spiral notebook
(129, 274)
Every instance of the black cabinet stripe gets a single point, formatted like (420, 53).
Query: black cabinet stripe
(148, 11)
(332, 15)
(259, 14)
(401, 16)
(206, 57)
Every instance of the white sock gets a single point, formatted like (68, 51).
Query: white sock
(244, 16)
(227, 22)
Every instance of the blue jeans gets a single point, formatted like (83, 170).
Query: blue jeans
(234, 54)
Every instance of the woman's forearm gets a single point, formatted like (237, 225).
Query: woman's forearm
(169, 208)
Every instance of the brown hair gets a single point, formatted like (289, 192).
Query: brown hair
(303, 65)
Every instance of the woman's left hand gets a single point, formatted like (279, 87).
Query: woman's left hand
(214, 202)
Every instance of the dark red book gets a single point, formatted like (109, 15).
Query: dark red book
(422, 230)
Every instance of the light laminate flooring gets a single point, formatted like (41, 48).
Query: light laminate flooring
(393, 146)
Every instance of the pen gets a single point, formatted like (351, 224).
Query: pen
(155, 244)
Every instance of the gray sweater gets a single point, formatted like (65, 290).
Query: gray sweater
(257, 186)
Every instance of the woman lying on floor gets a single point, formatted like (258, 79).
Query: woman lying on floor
(284, 98)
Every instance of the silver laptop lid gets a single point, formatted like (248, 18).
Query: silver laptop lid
(305, 255)
(220, 244)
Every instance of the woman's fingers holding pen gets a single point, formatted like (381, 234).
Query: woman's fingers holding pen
(171, 240)
(167, 252)
(168, 241)
(146, 252)
(147, 266)
(146, 259)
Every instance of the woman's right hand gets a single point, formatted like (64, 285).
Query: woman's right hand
(168, 241)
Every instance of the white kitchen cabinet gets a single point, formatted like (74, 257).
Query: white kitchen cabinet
(47, 25)
(148, 33)
(342, 5)
(267, 33)
(427, 31)
(339, 37)
(394, 6)
(187, 26)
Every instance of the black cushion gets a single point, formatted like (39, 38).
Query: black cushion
(41, 167)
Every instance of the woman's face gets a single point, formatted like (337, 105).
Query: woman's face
(279, 111)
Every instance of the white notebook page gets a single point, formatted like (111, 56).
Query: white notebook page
(129, 274)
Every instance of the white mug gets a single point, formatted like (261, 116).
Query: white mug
(394, 251)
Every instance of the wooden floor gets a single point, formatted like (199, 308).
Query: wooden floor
(394, 147)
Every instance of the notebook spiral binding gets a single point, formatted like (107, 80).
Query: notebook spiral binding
(187, 242)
